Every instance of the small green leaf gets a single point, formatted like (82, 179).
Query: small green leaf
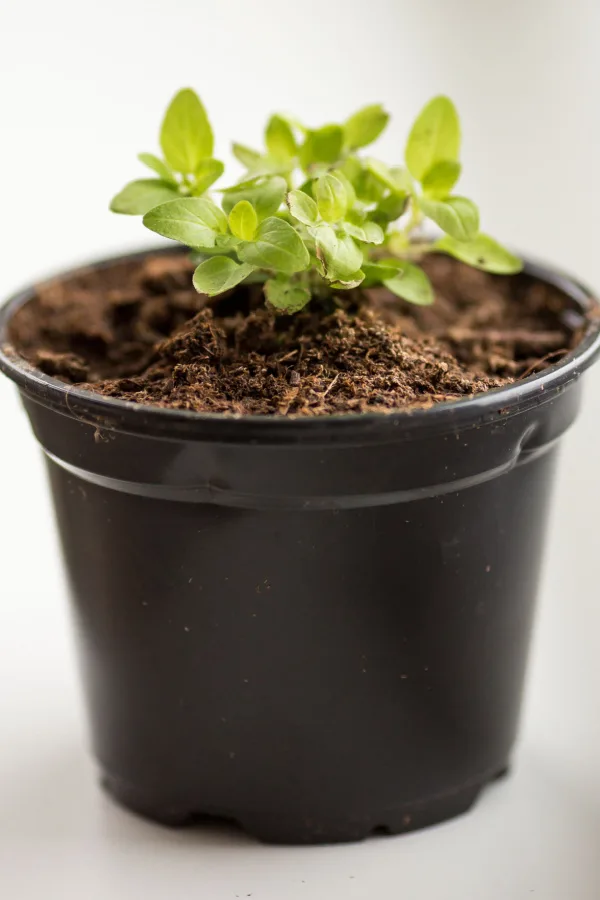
(369, 232)
(338, 254)
(219, 274)
(159, 166)
(440, 179)
(457, 216)
(351, 282)
(206, 174)
(280, 139)
(227, 241)
(349, 187)
(390, 208)
(286, 296)
(138, 197)
(373, 233)
(365, 126)
(248, 157)
(251, 180)
(404, 183)
(377, 273)
(266, 195)
(322, 146)
(276, 246)
(357, 215)
(193, 221)
(411, 283)
(369, 189)
(483, 253)
(186, 137)
(331, 197)
(393, 180)
(302, 207)
(435, 137)
(355, 231)
(243, 220)
(351, 168)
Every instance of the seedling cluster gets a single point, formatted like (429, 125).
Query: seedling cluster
(313, 213)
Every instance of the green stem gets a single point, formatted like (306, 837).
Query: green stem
(413, 251)
(417, 250)
(415, 218)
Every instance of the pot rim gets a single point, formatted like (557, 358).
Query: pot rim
(108, 413)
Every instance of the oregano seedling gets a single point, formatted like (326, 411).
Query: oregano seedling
(312, 214)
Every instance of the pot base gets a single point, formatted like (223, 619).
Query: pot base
(272, 828)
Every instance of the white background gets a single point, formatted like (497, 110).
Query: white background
(82, 88)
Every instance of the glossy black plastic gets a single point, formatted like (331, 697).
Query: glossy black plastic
(316, 628)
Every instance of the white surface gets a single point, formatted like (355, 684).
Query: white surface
(81, 90)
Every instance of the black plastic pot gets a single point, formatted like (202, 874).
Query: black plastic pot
(316, 628)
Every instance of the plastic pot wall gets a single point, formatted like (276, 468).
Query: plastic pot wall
(316, 628)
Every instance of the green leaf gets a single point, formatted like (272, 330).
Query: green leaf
(369, 189)
(401, 176)
(357, 215)
(219, 274)
(338, 254)
(350, 192)
(331, 197)
(266, 195)
(435, 137)
(411, 283)
(379, 272)
(483, 253)
(365, 126)
(286, 296)
(138, 197)
(351, 168)
(276, 246)
(369, 232)
(373, 233)
(186, 137)
(243, 220)
(390, 208)
(351, 281)
(322, 146)
(394, 180)
(381, 172)
(440, 179)
(206, 174)
(457, 216)
(227, 241)
(248, 157)
(224, 244)
(193, 221)
(251, 180)
(159, 166)
(280, 139)
(302, 207)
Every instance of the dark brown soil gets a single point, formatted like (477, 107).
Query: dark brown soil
(138, 331)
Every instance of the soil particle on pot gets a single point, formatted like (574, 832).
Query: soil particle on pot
(138, 331)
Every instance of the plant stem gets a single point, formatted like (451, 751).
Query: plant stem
(417, 250)
(415, 218)
(413, 251)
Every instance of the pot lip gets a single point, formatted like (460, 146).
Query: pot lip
(108, 413)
